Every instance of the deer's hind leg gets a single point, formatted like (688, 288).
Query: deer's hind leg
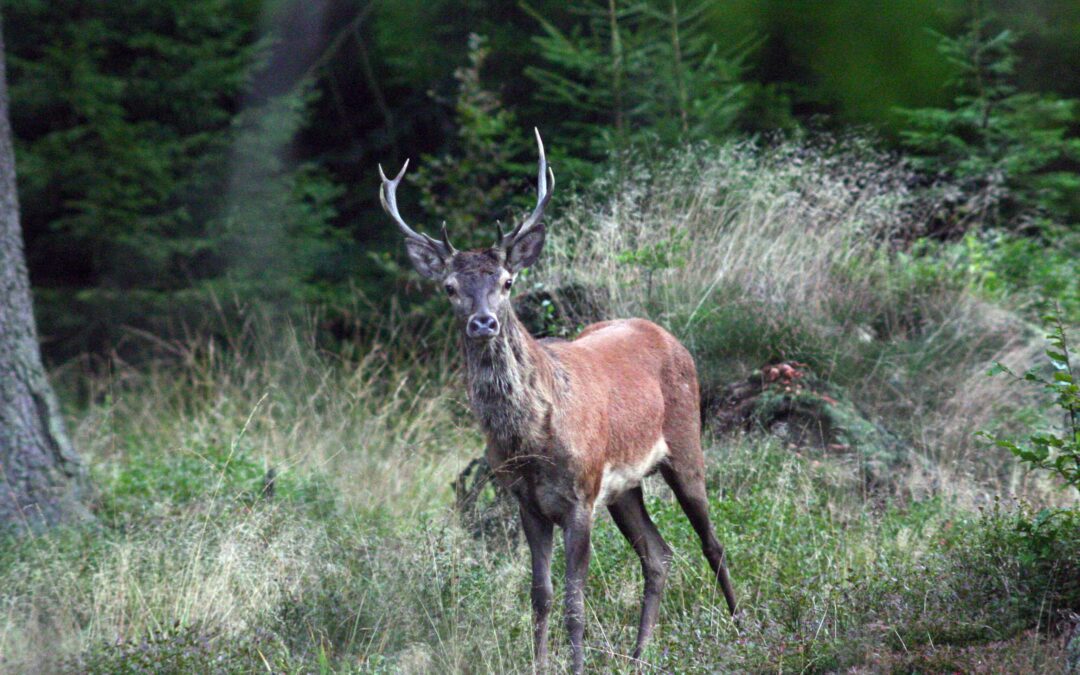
(684, 471)
(633, 521)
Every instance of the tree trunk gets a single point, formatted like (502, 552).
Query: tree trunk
(42, 480)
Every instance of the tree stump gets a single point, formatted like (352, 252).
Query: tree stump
(789, 402)
(560, 312)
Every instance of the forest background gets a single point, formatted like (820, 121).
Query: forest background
(179, 156)
(863, 219)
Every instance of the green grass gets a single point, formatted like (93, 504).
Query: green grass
(828, 580)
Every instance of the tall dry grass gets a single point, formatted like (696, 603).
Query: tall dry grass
(390, 410)
(776, 224)
(360, 435)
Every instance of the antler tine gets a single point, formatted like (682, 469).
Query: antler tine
(388, 199)
(446, 240)
(545, 186)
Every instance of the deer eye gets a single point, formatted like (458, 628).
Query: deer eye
(450, 290)
(507, 284)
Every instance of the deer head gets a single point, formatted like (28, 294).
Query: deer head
(477, 282)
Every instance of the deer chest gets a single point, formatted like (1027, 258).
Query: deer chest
(538, 483)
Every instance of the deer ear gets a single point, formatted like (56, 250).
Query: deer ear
(426, 259)
(526, 250)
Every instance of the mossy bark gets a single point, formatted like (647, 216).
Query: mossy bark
(42, 480)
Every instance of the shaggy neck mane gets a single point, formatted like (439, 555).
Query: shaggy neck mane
(506, 382)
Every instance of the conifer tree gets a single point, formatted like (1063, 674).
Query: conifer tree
(994, 135)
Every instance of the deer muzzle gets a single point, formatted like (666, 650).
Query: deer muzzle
(482, 326)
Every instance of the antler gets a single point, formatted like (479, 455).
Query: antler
(545, 186)
(388, 198)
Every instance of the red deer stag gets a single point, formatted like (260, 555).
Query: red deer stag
(572, 425)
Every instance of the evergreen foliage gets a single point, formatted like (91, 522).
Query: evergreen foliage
(272, 233)
(995, 135)
(160, 175)
(636, 74)
(470, 186)
(143, 183)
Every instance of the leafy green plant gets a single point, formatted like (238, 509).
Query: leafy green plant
(1054, 451)
(1023, 270)
(657, 256)
(1039, 548)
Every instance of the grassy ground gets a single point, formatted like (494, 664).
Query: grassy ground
(358, 564)
(191, 569)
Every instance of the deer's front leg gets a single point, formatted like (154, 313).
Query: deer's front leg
(538, 532)
(576, 534)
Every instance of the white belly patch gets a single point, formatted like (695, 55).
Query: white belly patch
(619, 479)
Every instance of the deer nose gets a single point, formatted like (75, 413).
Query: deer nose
(482, 326)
